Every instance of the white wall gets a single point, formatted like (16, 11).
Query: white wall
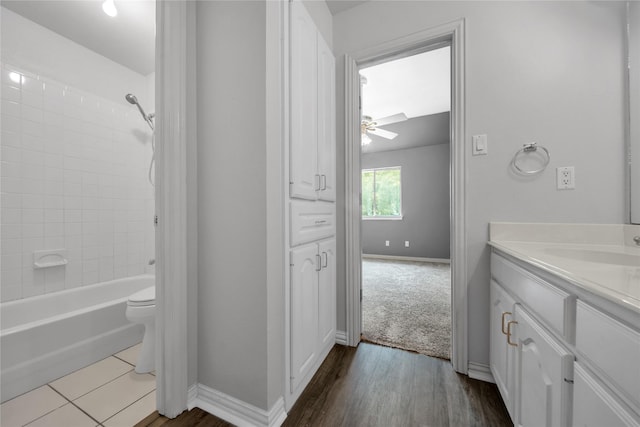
(550, 72)
(74, 164)
(240, 317)
(67, 61)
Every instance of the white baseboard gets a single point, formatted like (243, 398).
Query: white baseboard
(407, 258)
(235, 410)
(480, 371)
(341, 337)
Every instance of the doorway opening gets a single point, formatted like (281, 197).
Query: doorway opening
(453, 34)
(405, 158)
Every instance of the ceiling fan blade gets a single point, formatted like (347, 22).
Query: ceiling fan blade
(384, 133)
(400, 117)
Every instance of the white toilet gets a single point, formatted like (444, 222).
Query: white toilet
(141, 308)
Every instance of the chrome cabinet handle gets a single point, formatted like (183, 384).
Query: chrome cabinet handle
(511, 322)
(317, 183)
(325, 260)
(324, 182)
(504, 314)
(318, 262)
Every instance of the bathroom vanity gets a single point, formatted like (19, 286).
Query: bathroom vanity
(565, 323)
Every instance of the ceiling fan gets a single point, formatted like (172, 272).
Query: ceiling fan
(370, 126)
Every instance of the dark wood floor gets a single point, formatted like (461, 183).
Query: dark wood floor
(380, 386)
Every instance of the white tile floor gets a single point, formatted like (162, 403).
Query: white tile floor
(108, 393)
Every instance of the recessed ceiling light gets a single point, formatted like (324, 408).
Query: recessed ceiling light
(109, 8)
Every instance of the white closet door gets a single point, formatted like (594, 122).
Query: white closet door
(305, 264)
(327, 295)
(303, 176)
(326, 122)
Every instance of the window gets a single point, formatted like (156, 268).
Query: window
(381, 193)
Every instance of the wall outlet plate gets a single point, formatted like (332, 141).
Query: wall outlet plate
(566, 178)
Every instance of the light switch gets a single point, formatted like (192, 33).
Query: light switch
(480, 146)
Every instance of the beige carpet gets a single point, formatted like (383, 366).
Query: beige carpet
(407, 305)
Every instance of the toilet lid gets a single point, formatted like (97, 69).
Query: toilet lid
(146, 296)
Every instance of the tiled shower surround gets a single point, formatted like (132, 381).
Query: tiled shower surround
(74, 177)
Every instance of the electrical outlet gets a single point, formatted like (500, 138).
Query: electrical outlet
(406, 243)
(566, 178)
(386, 243)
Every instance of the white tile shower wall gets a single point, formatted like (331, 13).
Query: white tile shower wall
(74, 172)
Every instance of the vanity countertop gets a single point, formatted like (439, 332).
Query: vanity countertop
(602, 259)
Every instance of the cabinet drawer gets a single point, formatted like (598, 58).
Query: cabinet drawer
(549, 303)
(611, 346)
(311, 221)
(594, 406)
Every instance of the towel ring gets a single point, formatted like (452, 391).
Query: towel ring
(530, 148)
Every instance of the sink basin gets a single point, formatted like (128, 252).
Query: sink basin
(600, 256)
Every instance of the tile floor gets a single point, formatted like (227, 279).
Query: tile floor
(108, 393)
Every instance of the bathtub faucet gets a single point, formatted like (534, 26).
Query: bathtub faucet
(152, 261)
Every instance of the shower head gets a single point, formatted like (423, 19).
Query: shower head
(131, 99)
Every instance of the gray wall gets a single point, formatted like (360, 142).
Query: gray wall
(240, 292)
(550, 72)
(232, 231)
(425, 204)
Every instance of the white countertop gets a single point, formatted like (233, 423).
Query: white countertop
(561, 256)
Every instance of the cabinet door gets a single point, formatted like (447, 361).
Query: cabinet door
(327, 295)
(594, 406)
(305, 264)
(544, 373)
(303, 163)
(326, 122)
(502, 354)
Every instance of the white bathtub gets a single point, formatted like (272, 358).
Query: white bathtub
(48, 336)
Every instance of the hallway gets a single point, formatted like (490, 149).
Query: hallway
(379, 386)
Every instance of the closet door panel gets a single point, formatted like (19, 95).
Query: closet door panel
(304, 180)
(326, 122)
(305, 264)
(327, 295)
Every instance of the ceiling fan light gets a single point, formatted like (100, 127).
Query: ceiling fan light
(365, 140)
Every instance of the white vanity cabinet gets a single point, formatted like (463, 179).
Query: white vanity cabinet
(543, 375)
(312, 147)
(557, 357)
(502, 354)
(532, 369)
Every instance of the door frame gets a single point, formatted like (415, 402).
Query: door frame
(454, 34)
(175, 188)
